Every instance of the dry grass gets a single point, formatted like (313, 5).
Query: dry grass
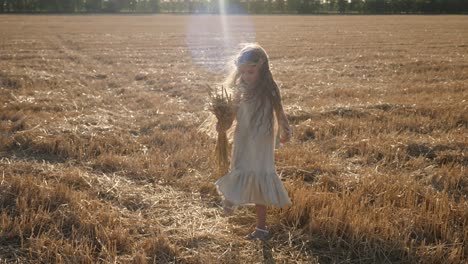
(101, 158)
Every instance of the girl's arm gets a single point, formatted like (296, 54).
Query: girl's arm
(283, 123)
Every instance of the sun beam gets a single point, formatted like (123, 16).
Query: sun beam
(211, 44)
(224, 24)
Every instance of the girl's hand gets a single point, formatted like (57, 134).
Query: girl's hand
(285, 139)
(286, 135)
(222, 127)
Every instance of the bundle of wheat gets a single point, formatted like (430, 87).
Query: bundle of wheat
(221, 105)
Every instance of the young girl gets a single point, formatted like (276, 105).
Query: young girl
(259, 114)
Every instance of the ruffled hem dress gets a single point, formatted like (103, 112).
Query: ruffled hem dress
(252, 178)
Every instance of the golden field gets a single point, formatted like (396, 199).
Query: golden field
(102, 159)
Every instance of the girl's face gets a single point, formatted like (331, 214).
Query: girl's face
(249, 74)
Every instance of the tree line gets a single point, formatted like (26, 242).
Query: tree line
(237, 6)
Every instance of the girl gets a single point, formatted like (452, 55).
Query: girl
(259, 114)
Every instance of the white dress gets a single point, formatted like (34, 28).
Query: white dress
(252, 178)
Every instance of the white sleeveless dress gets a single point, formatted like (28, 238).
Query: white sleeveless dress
(252, 178)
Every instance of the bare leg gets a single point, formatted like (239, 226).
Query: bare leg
(260, 232)
(228, 207)
(261, 211)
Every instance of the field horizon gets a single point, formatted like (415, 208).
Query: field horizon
(102, 158)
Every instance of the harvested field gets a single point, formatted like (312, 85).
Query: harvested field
(101, 158)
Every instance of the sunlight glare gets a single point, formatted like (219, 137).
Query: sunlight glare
(213, 39)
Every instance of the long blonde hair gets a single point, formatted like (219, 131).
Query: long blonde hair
(266, 89)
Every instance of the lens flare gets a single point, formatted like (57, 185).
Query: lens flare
(213, 39)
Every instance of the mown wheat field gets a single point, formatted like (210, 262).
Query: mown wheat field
(102, 159)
